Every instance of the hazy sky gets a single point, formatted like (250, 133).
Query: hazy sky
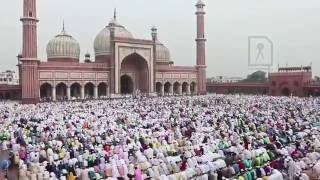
(292, 25)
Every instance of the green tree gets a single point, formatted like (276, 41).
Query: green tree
(317, 78)
(258, 76)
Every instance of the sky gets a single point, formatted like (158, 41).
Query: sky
(292, 26)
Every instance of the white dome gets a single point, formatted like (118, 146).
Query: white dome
(102, 40)
(163, 53)
(63, 46)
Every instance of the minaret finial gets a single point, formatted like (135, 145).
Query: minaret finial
(115, 13)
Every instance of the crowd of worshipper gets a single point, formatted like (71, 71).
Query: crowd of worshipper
(211, 137)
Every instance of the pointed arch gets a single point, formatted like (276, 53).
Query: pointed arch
(75, 90)
(159, 88)
(61, 91)
(89, 90)
(102, 89)
(185, 88)
(167, 88)
(193, 88)
(127, 85)
(176, 88)
(46, 90)
(286, 91)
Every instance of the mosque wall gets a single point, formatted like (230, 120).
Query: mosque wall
(283, 83)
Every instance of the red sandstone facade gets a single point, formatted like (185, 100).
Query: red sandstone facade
(122, 64)
(290, 81)
(295, 81)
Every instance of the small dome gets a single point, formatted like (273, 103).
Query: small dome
(200, 3)
(63, 46)
(163, 53)
(102, 40)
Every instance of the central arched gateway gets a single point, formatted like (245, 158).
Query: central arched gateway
(134, 74)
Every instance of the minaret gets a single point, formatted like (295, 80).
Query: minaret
(112, 49)
(29, 60)
(154, 35)
(201, 49)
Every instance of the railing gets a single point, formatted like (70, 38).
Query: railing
(239, 84)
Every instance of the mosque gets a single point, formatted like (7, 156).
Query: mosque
(122, 64)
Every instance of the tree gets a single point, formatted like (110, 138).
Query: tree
(317, 78)
(258, 76)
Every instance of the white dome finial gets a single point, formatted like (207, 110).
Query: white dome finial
(63, 31)
(114, 19)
